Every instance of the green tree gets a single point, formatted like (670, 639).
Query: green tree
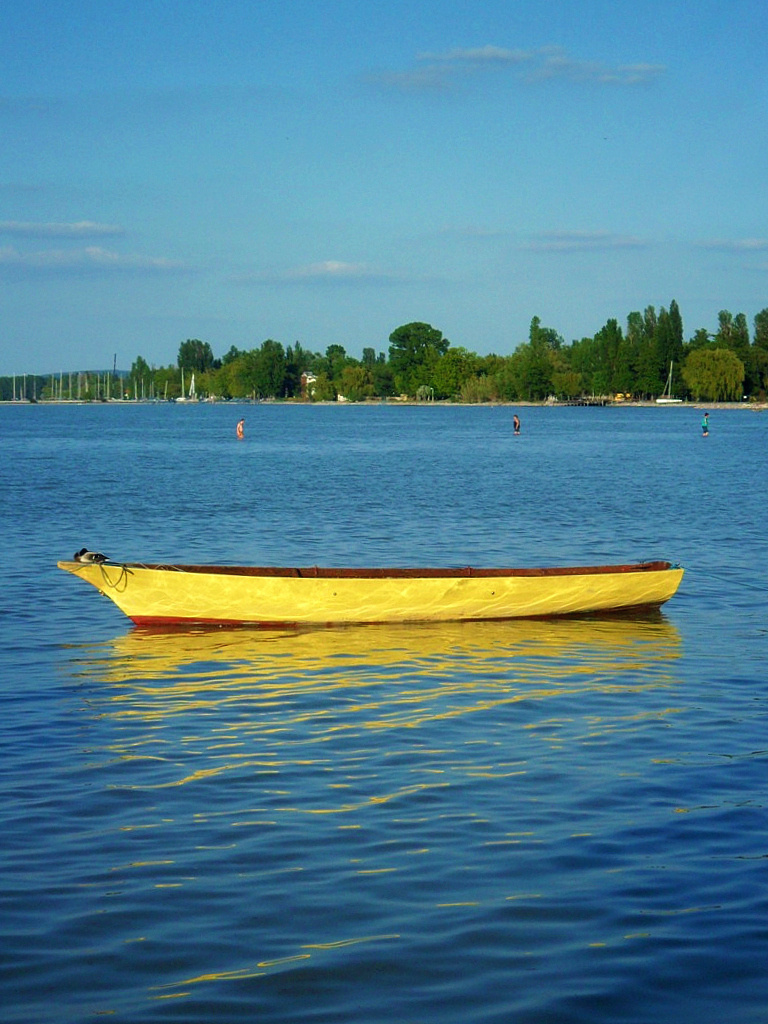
(413, 352)
(635, 332)
(452, 370)
(140, 378)
(756, 376)
(487, 366)
(714, 374)
(583, 359)
(738, 340)
(733, 335)
(650, 372)
(724, 329)
(546, 337)
(239, 379)
(195, 355)
(650, 322)
(534, 363)
(609, 341)
(701, 339)
(231, 377)
(669, 339)
(479, 389)
(567, 384)
(383, 377)
(297, 360)
(741, 346)
(623, 378)
(761, 329)
(534, 371)
(323, 389)
(335, 361)
(507, 379)
(233, 354)
(636, 370)
(676, 327)
(757, 361)
(356, 383)
(268, 370)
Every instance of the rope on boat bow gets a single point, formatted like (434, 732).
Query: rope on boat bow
(121, 580)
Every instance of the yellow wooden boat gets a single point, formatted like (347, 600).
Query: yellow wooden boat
(273, 596)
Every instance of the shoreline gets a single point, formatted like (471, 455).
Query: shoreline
(652, 404)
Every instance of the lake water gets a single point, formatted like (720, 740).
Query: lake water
(483, 823)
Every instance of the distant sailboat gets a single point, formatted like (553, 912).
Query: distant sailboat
(192, 396)
(666, 395)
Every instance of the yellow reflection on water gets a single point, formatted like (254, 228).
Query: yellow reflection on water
(264, 966)
(261, 700)
(210, 665)
(372, 678)
(329, 729)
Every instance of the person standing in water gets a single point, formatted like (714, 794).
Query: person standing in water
(240, 429)
(516, 423)
(705, 425)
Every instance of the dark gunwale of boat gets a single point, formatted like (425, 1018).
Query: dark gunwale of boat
(464, 572)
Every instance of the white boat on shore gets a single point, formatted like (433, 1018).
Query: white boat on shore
(666, 395)
(192, 396)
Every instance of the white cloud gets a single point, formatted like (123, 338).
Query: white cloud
(426, 79)
(556, 63)
(583, 241)
(480, 55)
(473, 231)
(736, 244)
(78, 229)
(442, 70)
(326, 271)
(330, 269)
(90, 258)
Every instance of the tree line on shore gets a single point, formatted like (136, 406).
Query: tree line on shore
(634, 362)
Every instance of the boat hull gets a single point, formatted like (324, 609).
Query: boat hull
(231, 595)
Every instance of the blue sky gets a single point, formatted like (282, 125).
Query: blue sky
(326, 171)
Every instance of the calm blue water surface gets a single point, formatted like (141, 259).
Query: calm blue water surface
(457, 824)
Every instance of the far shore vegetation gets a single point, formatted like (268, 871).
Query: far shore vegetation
(630, 363)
